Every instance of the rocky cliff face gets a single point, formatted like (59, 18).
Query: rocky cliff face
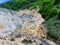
(32, 23)
(8, 21)
(25, 22)
(28, 21)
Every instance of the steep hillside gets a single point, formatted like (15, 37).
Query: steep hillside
(49, 10)
(17, 28)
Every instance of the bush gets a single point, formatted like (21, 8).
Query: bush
(53, 26)
(12, 39)
(29, 41)
(46, 8)
(26, 41)
(58, 14)
(56, 2)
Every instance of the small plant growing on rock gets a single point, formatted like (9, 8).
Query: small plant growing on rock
(41, 44)
(26, 41)
(12, 39)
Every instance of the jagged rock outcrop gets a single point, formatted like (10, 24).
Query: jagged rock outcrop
(32, 23)
(27, 22)
(8, 21)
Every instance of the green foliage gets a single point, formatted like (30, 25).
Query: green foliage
(10, 5)
(58, 14)
(41, 44)
(26, 41)
(12, 39)
(29, 41)
(53, 26)
(56, 2)
(16, 4)
(34, 4)
(48, 8)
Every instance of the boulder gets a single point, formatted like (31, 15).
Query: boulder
(32, 23)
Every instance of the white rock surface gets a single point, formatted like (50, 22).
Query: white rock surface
(8, 21)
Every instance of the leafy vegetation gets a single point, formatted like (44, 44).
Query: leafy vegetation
(16, 4)
(12, 39)
(26, 41)
(53, 26)
(48, 8)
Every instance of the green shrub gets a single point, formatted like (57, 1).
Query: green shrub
(53, 26)
(26, 41)
(12, 39)
(29, 41)
(58, 14)
(46, 8)
(56, 1)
